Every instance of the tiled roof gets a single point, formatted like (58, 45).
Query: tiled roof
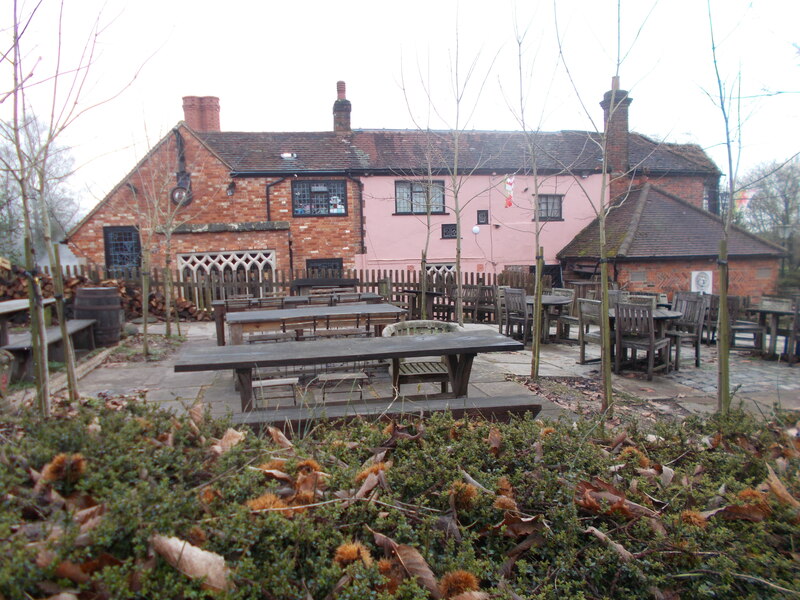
(641, 225)
(408, 150)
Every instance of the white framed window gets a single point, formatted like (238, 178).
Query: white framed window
(413, 197)
(549, 206)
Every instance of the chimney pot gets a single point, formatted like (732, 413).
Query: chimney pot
(201, 113)
(341, 110)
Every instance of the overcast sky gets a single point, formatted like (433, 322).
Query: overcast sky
(274, 67)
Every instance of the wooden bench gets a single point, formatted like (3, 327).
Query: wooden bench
(80, 331)
(274, 384)
(347, 382)
(296, 418)
(419, 371)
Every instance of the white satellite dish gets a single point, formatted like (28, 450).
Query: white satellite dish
(702, 281)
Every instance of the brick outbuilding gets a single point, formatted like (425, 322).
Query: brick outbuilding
(657, 241)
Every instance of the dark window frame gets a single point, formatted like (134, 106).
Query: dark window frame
(111, 255)
(449, 231)
(482, 218)
(324, 264)
(417, 206)
(551, 202)
(304, 195)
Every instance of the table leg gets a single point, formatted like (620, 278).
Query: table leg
(219, 323)
(396, 376)
(237, 335)
(773, 334)
(429, 307)
(460, 369)
(3, 331)
(244, 377)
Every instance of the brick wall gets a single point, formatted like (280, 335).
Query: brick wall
(311, 237)
(747, 277)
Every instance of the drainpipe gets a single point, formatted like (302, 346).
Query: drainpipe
(269, 186)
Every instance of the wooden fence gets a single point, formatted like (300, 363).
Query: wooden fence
(203, 290)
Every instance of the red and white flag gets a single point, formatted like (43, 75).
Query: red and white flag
(509, 191)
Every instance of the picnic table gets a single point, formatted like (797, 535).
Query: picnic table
(305, 318)
(769, 318)
(11, 307)
(458, 348)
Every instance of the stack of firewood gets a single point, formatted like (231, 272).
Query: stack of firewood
(15, 287)
(186, 309)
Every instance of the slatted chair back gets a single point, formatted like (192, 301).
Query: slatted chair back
(634, 320)
(589, 311)
(643, 299)
(567, 309)
(515, 302)
(615, 296)
(679, 299)
(775, 303)
(419, 327)
(694, 312)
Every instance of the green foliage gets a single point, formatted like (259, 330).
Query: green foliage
(157, 474)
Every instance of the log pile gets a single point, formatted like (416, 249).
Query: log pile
(15, 287)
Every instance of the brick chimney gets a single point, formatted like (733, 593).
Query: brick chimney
(201, 113)
(615, 122)
(341, 110)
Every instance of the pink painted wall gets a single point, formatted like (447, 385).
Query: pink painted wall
(396, 241)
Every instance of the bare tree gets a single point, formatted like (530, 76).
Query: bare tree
(159, 213)
(446, 146)
(64, 88)
(773, 210)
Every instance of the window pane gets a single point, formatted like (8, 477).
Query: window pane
(414, 197)
(319, 198)
(402, 193)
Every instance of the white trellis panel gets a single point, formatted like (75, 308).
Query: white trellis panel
(252, 263)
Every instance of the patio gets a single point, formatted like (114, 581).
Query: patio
(758, 384)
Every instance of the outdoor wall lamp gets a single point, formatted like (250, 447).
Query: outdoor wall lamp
(231, 188)
(476, 230)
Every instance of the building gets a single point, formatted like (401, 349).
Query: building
(647, 251)
(253, 202)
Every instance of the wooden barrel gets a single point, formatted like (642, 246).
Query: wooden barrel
(103, 305)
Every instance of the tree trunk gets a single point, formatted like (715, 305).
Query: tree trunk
(69, 351)
(536, 327)
(723, 333)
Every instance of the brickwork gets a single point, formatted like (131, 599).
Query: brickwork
(127, 205)
(747, 277)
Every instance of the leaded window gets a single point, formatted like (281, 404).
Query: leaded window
(319, 198)
(414, 197)
(123, 247)
(449, 231)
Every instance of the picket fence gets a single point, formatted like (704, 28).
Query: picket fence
(203, 290)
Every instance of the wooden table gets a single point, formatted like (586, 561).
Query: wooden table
(548, 300)
(221, 307)
(660, 318)
(11, 307)
(769, 317)
(309, 317)
(459, 348)
(415, 305)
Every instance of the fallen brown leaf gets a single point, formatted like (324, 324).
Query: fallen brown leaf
(279, 438)
(495, 441)
(415, 566)
(194, 562)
